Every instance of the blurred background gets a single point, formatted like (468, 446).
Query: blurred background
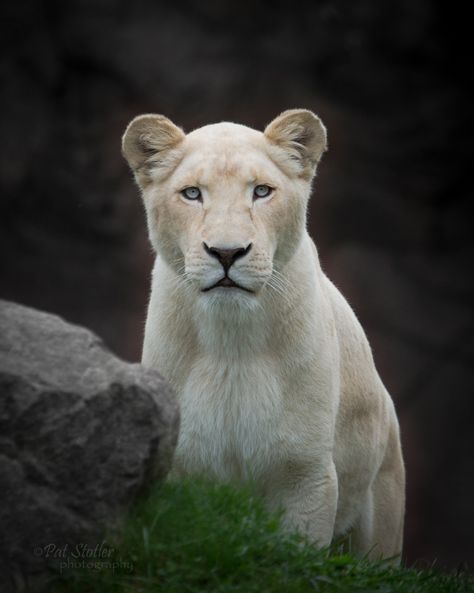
(390, 210)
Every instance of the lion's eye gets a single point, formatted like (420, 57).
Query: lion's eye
(191, 193)
(262, 191)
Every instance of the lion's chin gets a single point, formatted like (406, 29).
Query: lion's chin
(228, 298)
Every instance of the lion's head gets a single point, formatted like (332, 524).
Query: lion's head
(226, 204)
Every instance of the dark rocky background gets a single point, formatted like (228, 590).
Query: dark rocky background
(390, 212)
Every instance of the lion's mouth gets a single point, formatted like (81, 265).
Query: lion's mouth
(226, 282)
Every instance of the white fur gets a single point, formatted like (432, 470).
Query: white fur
(277, 386)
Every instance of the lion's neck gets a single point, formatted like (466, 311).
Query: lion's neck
(235, 333)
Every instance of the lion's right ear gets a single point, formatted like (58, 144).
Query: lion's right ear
(149, 143)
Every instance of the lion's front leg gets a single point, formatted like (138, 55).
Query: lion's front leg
(309, 503)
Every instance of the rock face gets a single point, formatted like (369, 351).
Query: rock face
(81, 434)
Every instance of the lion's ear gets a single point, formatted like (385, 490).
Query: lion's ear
(299, 137)
(148, 144)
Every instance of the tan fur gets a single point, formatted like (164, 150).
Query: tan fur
(277, 385)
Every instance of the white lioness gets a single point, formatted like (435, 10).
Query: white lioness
(273, 372)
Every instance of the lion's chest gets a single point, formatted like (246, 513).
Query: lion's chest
(230, 419)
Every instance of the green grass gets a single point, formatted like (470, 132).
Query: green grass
(199, 537)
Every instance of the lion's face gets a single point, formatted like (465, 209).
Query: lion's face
(225, 204)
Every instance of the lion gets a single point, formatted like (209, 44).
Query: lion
(273, 372)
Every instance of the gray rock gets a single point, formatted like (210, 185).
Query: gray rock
(82, 433)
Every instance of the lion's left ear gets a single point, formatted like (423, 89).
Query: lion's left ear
(298, 138)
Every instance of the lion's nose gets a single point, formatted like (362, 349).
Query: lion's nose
(227, 256)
